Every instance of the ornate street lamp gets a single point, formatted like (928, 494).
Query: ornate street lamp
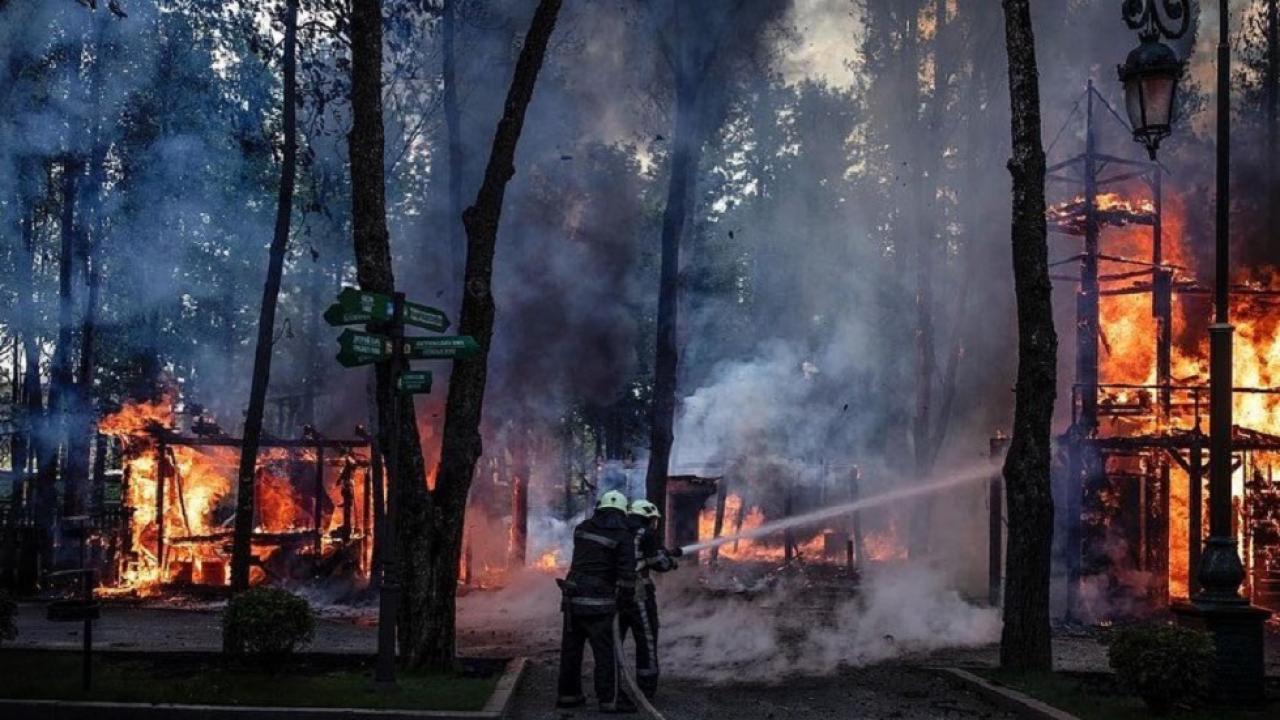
(1151, 72)
(1150, 85)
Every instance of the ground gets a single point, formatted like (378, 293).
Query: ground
(900, 687)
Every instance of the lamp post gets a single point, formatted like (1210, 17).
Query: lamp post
(1151, 72)
(1150, 77)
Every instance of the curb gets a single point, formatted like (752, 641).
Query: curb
(499, 704)
(1006, 697)
(495, 709)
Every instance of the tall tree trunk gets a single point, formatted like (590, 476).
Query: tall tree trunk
(366, 145)
(60, 375)
(922, 225)
(80, 416)
(1271, 80)
(80, 420)
(680, 186)
(267, 316)
(31, 444)
(454, 230)
(1025, 641)
(29, 394)
(431, 614)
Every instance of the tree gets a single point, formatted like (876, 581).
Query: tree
(1025, 642)
(454, 233)
(699, 45)
(433, 619)
(247, 471)
(366, 147)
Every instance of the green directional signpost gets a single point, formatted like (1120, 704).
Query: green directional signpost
(412, 382)
(426, 317)
(445, 347)
(354, 307)
(361, 348)
(383, 341)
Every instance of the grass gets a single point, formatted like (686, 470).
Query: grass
(206, 679)
(1096, 697)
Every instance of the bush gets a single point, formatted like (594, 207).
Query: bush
(1165, 665)
(267, 622)
(8, 615)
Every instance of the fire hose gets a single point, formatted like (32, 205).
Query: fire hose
(620, 658)
(632, 686)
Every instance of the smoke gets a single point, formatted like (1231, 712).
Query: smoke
(778, 406)
(899, 611)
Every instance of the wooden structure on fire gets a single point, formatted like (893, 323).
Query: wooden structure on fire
(1118, 457)
(345, 540)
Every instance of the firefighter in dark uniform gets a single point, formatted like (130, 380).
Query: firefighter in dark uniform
(601, 575)
(640, 615)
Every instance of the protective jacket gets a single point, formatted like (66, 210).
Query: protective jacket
(603, 569)
(651, 556)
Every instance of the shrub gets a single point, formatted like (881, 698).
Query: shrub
(8, 615)
(1165, 665)
(267, 622)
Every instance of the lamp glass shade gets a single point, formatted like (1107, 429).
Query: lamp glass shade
(1150, 76)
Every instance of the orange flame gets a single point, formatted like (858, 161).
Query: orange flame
(809, 544)
(1127, 353)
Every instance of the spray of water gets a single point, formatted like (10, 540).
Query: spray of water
(952, 480)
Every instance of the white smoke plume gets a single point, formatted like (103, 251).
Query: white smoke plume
(900, 611)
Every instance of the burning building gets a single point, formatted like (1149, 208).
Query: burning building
(314, 505)
(1132, 466)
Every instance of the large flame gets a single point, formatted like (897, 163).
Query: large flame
(1127, 351)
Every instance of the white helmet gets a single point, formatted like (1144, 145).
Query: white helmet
(645, 509)
(612, 500)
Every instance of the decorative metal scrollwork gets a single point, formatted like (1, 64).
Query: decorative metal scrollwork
(1170, 20)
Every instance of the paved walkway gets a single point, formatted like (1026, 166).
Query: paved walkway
(882, 691)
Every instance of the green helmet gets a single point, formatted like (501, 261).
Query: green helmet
(645, 509)
(612, 500)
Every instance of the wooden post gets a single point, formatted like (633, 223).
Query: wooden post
(739, 517)
(722, 494)
(859, 554)
(788, 537)
(380, 536)
(518, 548)
(1160, 531)
(318, 506)
(1195, 498)
(995, 522)
(162, 478)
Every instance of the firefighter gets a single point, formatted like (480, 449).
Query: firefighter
(601, 575)
(640, 616)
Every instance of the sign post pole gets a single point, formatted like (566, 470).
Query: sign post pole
(384, 343)
(389, 597)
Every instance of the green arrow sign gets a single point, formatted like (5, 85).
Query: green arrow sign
(361, 348)
(337, 315)
(447, 347)
(414, 381)
(355, 306)
(424, 316)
